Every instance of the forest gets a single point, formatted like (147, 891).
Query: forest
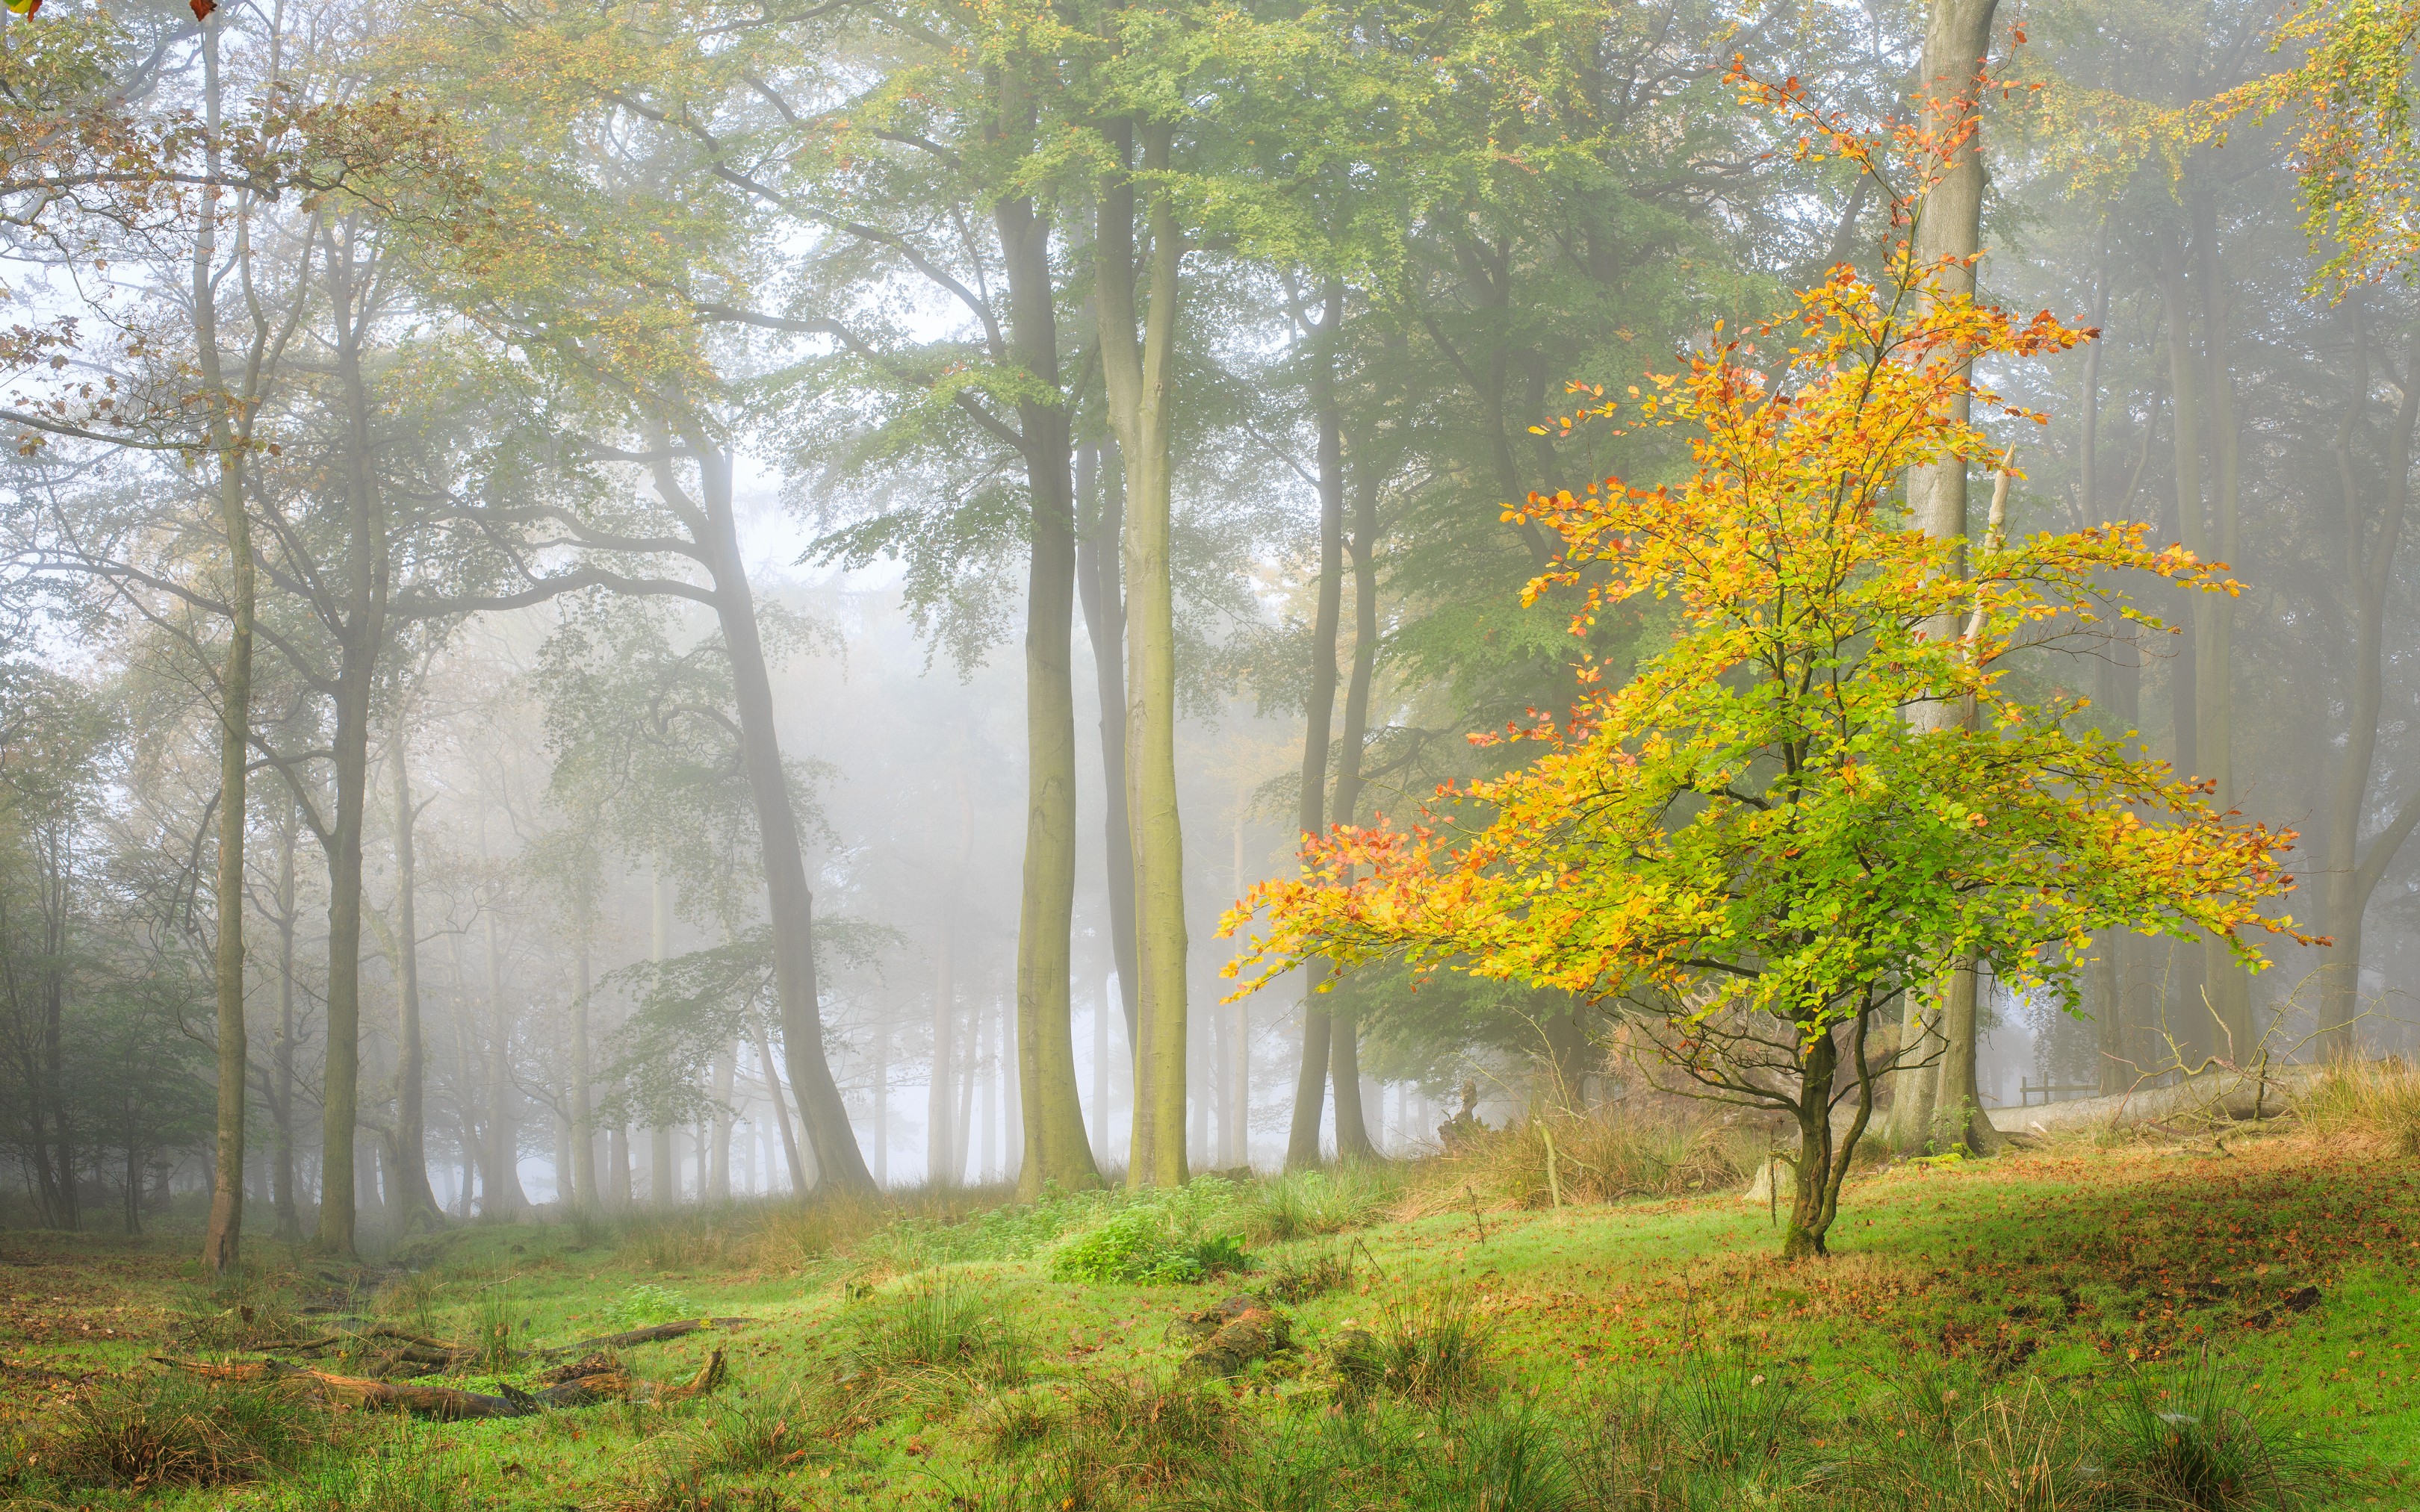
(1574, 755)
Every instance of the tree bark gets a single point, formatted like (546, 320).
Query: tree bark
(281, 1100)
(223, 1238)
(584, 1192)
(414, 1200)
(1319, 712)
(943, 1165)
(1139, 379)
(2230, 988)
(1949, 235)
(1344, 1050)
(505, 1195)
(789, 902)
(2368, 576)
(1099, 555)
(1056, 1149)
(362, 634)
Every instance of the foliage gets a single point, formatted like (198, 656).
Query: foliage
(1161, 1238)
(646, 1303)
(1824, 789)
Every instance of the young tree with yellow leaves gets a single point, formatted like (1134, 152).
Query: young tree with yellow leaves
(1758, 843)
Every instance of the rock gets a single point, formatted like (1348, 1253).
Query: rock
(1233, 1335)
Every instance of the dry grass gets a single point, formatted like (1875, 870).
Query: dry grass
(2375, 1100)
(1602, 1154)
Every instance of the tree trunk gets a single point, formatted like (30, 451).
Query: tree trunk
(223, 1238)
(1344, 1050)
(726, 1072)
(2188, 682)
(2368, 575)
(2230, 987)
(789, 903)
(940, 1121)
(799, 1181)
(281, 1106)
(1139, 378)
(1099, 553)
(1056, 1149)
(413, 1199)
(504, 1193)
(1948, 234)
(583, 1116)
(1319, 712)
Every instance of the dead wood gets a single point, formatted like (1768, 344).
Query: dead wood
(444, 1402)
(655, 1335)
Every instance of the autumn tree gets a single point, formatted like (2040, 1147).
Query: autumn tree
(1753, 848)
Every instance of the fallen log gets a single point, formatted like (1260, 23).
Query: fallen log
(590, 1386)
(655, 1335)
(442, 1402)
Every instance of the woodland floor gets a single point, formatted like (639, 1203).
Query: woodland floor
(2290, 1259)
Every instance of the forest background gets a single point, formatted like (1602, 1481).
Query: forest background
(525, 519)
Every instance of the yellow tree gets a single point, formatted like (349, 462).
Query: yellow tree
(1760, 843)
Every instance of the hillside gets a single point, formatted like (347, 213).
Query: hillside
(1982, 1337)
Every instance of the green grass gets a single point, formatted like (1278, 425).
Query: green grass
(2062, 1328)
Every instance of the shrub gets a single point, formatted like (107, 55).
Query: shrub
(645, 1304)
(1155, 1239)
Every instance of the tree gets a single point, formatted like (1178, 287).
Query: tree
(1750, 846)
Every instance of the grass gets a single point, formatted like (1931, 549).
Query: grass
(2158, 1324)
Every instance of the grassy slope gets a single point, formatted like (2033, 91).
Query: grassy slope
(2060, 1264)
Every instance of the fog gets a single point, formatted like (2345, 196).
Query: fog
(748, 651)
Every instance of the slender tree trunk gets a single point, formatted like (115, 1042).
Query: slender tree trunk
(726, 1070)
(964, 1125)
(1056, 1150)
(1948, 233)
(1099, 552)
(789, 902)
(941, 1140)
(2368, 578)
(223, 1239)
(413, 1199)
(2230, 988)
(1319, 713)
(799, 1181)
(1138, 376)
(504, 1193)
(2188, 683)
(583, 1117)
(1344, 1057)
(290, 1223)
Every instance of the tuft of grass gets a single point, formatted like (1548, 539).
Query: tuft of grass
(410, 1300)
(943, 1322)
(1598, 1155)
(1427, 1351)
(491, 1327)
(403, 1471)
(1307, 1204)
(2380, 1099)
(167, 1430)
(1501, 1458)
(1302, 1275)
(2188, 1437)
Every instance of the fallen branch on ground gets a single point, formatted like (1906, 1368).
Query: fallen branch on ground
(597, 1379)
